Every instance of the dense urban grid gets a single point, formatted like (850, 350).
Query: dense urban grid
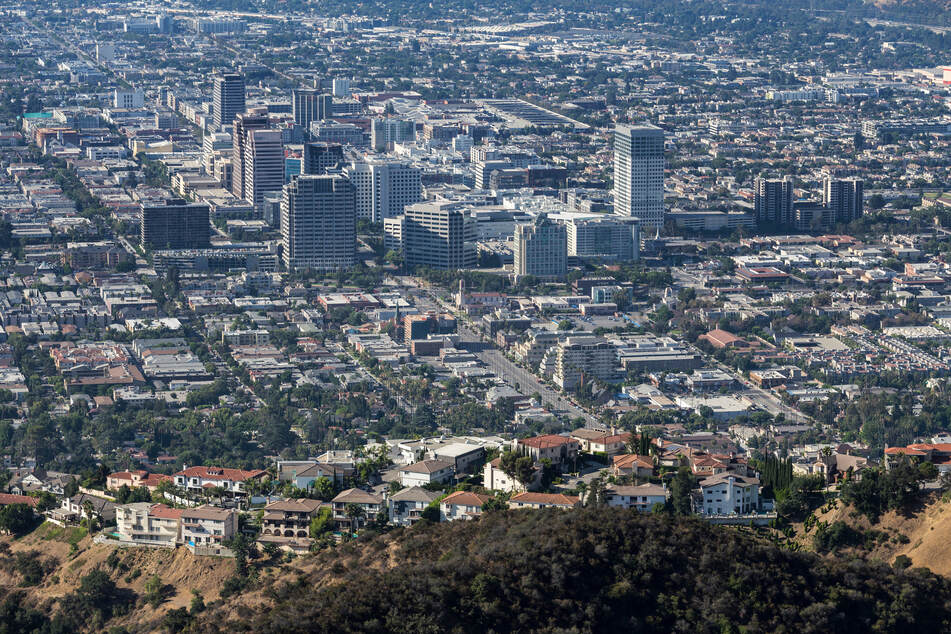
(279, 276)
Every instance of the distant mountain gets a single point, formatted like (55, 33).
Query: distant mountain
(591, 570)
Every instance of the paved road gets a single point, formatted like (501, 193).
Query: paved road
(514, 374)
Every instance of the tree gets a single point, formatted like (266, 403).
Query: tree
(321, 524)
(17, 519)
(154, 593)
(354, 513)
(514, 465)
(680, 489)
(323, 488)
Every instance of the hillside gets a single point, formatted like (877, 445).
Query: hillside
(65, 556)
(590, 570)
(923, 536)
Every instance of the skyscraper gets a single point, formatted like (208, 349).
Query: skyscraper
(263, 165)
(439, 235)
(243, 123)
(310, 105)
(229, 98)
(843, 198)
(773, 201)
(319, 156)
(639, 173)
(175, 224)
(318, 224)
(541, 249)
(384, 187)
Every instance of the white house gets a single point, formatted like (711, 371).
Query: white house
(208, 526)
(642, 497)
(729, 494)
(461, 505)
(426, 472)
(231, 480)
(149, 524)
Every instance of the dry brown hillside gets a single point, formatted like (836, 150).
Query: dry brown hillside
(924, 536)
(71, 554)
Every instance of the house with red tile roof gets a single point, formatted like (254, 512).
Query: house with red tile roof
(135, 479)
(558, 449)
(633, 465)
(461, 505)
(7, 499)
(201, 478)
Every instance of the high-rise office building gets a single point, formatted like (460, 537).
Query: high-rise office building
(244, 123)
(439, 235)
(341, 87)
(605, 237)
(385, 132)
(310, 105)
(318, 225)
(639, 173)
(844, 198)
(541, 249)
(229, 98)
(319, 157)
(384, 187)
(263, 165)
(175, 224)
(773, 201)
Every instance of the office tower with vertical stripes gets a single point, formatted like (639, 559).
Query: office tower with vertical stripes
(318, 223)
(639, 173)
(228, 98)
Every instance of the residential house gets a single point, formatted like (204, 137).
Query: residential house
(494, 479)
(369, 504)
(543, 500)
(287, 523)
(610, 444)
(426, 472)
(632, 465)
(642, 497)
(201, 478)
(303, 474)
(149, 524)
(135, 479)
(6, 499)
(81, 505)
(207, 526)
(594, 441)
(729, 494)
(461, 505)
(406, 505)
(561, 450)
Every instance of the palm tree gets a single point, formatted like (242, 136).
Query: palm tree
(354, 513)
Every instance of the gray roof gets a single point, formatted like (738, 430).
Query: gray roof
(414, 494)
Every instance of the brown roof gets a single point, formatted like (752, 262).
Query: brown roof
(206, 512)
(427, 466)
(300, 505)
(9, 498)
(165, 512)
(544, 442)
(465, 498)
(357, 496)
(557, 499)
